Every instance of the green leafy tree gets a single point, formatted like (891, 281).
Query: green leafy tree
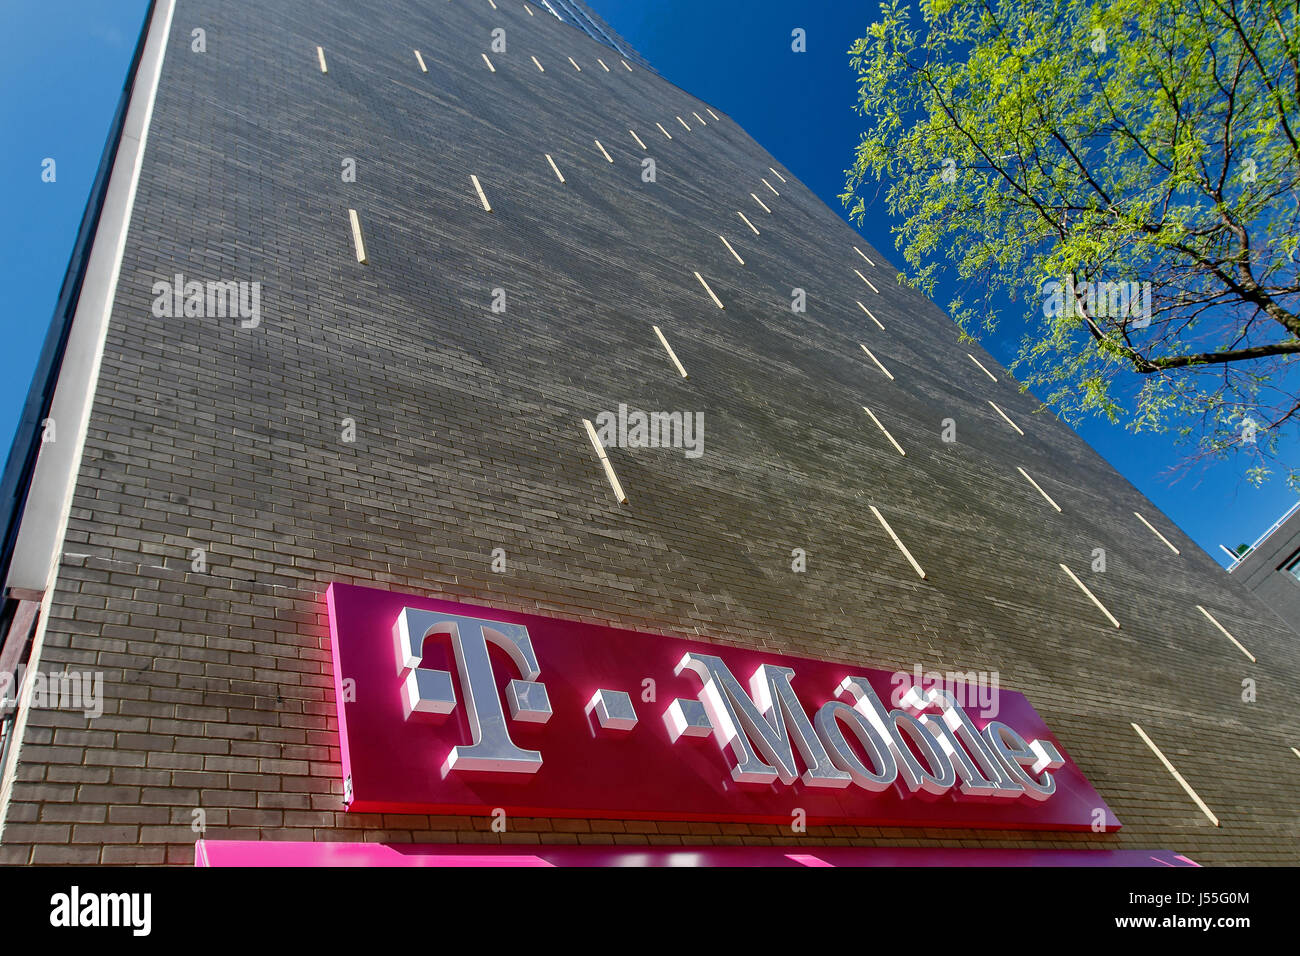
(1127, 171)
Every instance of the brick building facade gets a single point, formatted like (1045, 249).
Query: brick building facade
(218, 492)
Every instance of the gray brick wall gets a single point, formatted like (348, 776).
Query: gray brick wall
(205, 434)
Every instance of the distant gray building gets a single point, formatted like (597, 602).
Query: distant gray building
(282, 360)
(1271, 568)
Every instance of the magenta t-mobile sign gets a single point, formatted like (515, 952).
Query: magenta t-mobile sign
(451, 708)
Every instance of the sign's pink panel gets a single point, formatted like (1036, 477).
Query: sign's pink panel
(395, 764)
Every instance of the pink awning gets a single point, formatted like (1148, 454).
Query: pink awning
(277, 853)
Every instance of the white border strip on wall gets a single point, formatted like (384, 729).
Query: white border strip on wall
(901, 547)
(482, 197)
(44, 523)
(873, 358)
(1153, 530)
(981, 365)
(885, 430)
(1038, 488)
(604, 460)
(558, 175)
(669, 349)
(1177, 776)
(44, 520)
(1084, 588)
(868, 282)
(870, 315)
(731, 250)
(716, 300)
(1213, 620)
(358, 243)
(1005, 419)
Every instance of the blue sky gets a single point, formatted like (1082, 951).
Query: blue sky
(64, 73)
